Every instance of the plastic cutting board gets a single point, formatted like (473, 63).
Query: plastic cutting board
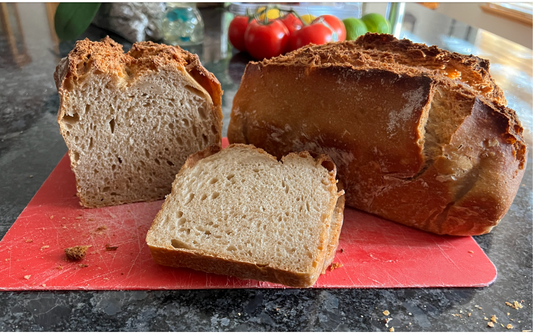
(373, 252)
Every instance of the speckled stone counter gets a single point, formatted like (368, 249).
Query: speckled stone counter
(30, 147)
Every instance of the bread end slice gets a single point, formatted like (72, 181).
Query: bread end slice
(130, 120)
(243, 213)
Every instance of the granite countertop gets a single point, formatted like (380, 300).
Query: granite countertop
(31, 146)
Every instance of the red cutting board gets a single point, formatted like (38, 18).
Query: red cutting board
(374, 253)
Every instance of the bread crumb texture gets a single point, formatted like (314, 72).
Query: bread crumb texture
(243, 206)
(130, 120)
(76, 253)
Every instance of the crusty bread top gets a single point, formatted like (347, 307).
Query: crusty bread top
(401, 56)
(107, 56)
(406, 58)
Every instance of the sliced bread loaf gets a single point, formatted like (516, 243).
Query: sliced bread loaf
(131, 120)
(412, 142)
(240, 212)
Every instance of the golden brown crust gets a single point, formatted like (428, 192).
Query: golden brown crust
(455, 171)
(217, 264)
(107, 56)
(403, 56)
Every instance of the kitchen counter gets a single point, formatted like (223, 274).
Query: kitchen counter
(31, 146)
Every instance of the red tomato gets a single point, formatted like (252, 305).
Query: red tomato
(316, 33)
(236, 31)
(266, 40)
(292, 23)
(335, 24)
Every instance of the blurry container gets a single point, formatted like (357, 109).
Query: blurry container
(342, 10)
(182, 24)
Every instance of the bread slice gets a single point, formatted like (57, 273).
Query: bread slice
(240, 212)
(131, 120)
(410, 143)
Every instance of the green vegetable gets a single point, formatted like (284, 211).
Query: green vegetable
(72, 18)
(354, 28)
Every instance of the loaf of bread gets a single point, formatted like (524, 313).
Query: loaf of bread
(419, 135)
(242, 213)
(131, 120)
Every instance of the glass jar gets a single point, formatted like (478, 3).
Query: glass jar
(182, 24)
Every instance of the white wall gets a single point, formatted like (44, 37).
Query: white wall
(472, 14)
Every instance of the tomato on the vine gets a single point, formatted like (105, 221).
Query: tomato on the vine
(237, 28)
(335, 24)
(316, 33)
(266, 40)
(292, 23)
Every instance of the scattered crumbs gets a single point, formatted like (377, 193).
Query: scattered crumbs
(238, 314)
(64, 226)
(509, 326)
(457, 315)
(43, 284)
(90, 219)
(471, 251)
(410, 313)
(490, 324)
(469, 314)
(106, 279)
(494, 319)
(83, 265)
(342, 250)
(31, 175)
(63, 218)
(7, 259)
(78, 217)
(45, 247)
(508, 313)
(526, 330)
(29, 240)
(76, 253)
(461, 311)
(51, 217)
(485, 318)
(100, 229)
(391, 329)
(386, 312)
(110, 248)
(335, 265)
(27, 277)
(516, 305)
(59, 267)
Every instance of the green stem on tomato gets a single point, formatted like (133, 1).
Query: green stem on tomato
(293, 12)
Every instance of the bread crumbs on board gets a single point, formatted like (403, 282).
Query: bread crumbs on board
(494, 319)
(76, 253)
(27, 277)
(335, 265)
(490, 324)
(386, 312)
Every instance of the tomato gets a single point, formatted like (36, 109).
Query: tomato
(236, 31)
(335, 24)
(316, 33)
(292, 23)
(266, 40)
